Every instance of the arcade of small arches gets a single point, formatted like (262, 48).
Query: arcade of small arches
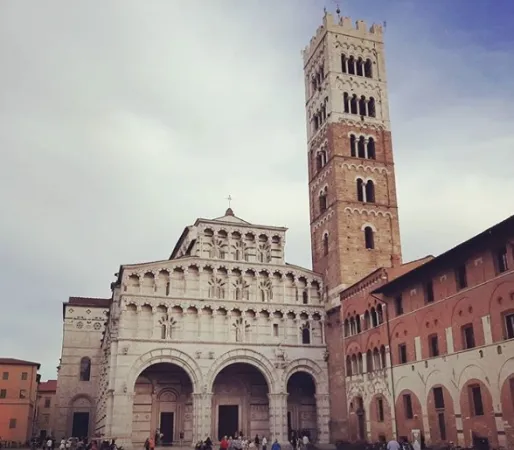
(319, 117)
(225, 283)
(183, 322)
(370, 319)
(436, 412)
(239, 395)
(376, 359)
(361, 106)
(362, 147)
(356, 66)
(317, 77)
(239, 245)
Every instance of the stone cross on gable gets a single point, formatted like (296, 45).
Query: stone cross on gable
(229, 198)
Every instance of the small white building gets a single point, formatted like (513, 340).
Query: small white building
(222, 337)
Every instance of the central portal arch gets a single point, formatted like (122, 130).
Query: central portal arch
(240, 403)
(163, 405)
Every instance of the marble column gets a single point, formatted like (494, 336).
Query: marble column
(323, 416)
(121, 420)
(278, 417)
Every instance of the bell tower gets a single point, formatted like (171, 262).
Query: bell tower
(353, 207)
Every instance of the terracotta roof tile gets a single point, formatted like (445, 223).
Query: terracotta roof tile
(47, 386)
(18, 362)
(90, 301)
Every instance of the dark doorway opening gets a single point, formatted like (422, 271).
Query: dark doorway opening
(289, 424)
(228, 420)
(80, 427)
(166, 428)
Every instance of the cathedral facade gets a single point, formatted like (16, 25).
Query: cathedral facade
(222, 337)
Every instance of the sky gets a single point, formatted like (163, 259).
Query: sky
(121, 124)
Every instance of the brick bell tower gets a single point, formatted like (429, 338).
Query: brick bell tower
(353, 207)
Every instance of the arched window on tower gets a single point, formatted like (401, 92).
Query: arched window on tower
(344, 61)
(380, 314)
(371, 148)
(305, 297)
(359, 360)
(361, 147)
(323, 201)
(325, 244)
(358, 323)
(85, 369)
(353, 145)
(383, 356)
(360, 190)
(346, 100)
(348, 366)
(163, 331)
(371, 107)
(370, 192)
(368, 69)
(352, 326)
(346, 328)
(362, 106)
(351, 65)
(354, 105)
(306, 334)
(369, 238)
(360, 67)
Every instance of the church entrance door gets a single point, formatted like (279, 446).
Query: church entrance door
(80, 427)
(167, 419)
(228, 420)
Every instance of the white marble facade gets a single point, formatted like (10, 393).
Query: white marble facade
(223, 334)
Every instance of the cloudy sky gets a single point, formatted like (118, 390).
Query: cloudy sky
(123, 121)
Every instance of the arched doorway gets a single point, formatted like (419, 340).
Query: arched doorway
(301, 406)
(81, 417)
(162, 403)
(240, 402)
(357, 420)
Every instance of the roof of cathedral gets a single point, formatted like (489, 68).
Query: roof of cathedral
(230, 217)
(47, 386)
(18, 362)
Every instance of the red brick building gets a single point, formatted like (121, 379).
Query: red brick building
(423, 348)
(432, 348)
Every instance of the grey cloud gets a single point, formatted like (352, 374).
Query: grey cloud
(120, 125)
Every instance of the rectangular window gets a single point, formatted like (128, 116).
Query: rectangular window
(23, 393)
(438, 398)
(5, 376)
(380, 409)
(442, 426)
(476, 401)
(461, 277)
(407, 404)
(468, 336)
(502, 264)
(429, 292)
(12, 423)
(398, 305)
(47, 403)
(24, 376)
(509, 326)
(402, 353)
(275, 329)
(433, 343)
(3, 393)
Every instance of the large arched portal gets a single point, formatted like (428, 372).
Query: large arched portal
(162, 403)
(301, 406)
(240, 402)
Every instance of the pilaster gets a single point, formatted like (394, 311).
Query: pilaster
(323, 415)
(278, 417)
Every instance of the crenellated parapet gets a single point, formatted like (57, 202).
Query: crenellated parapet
(345, 26)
